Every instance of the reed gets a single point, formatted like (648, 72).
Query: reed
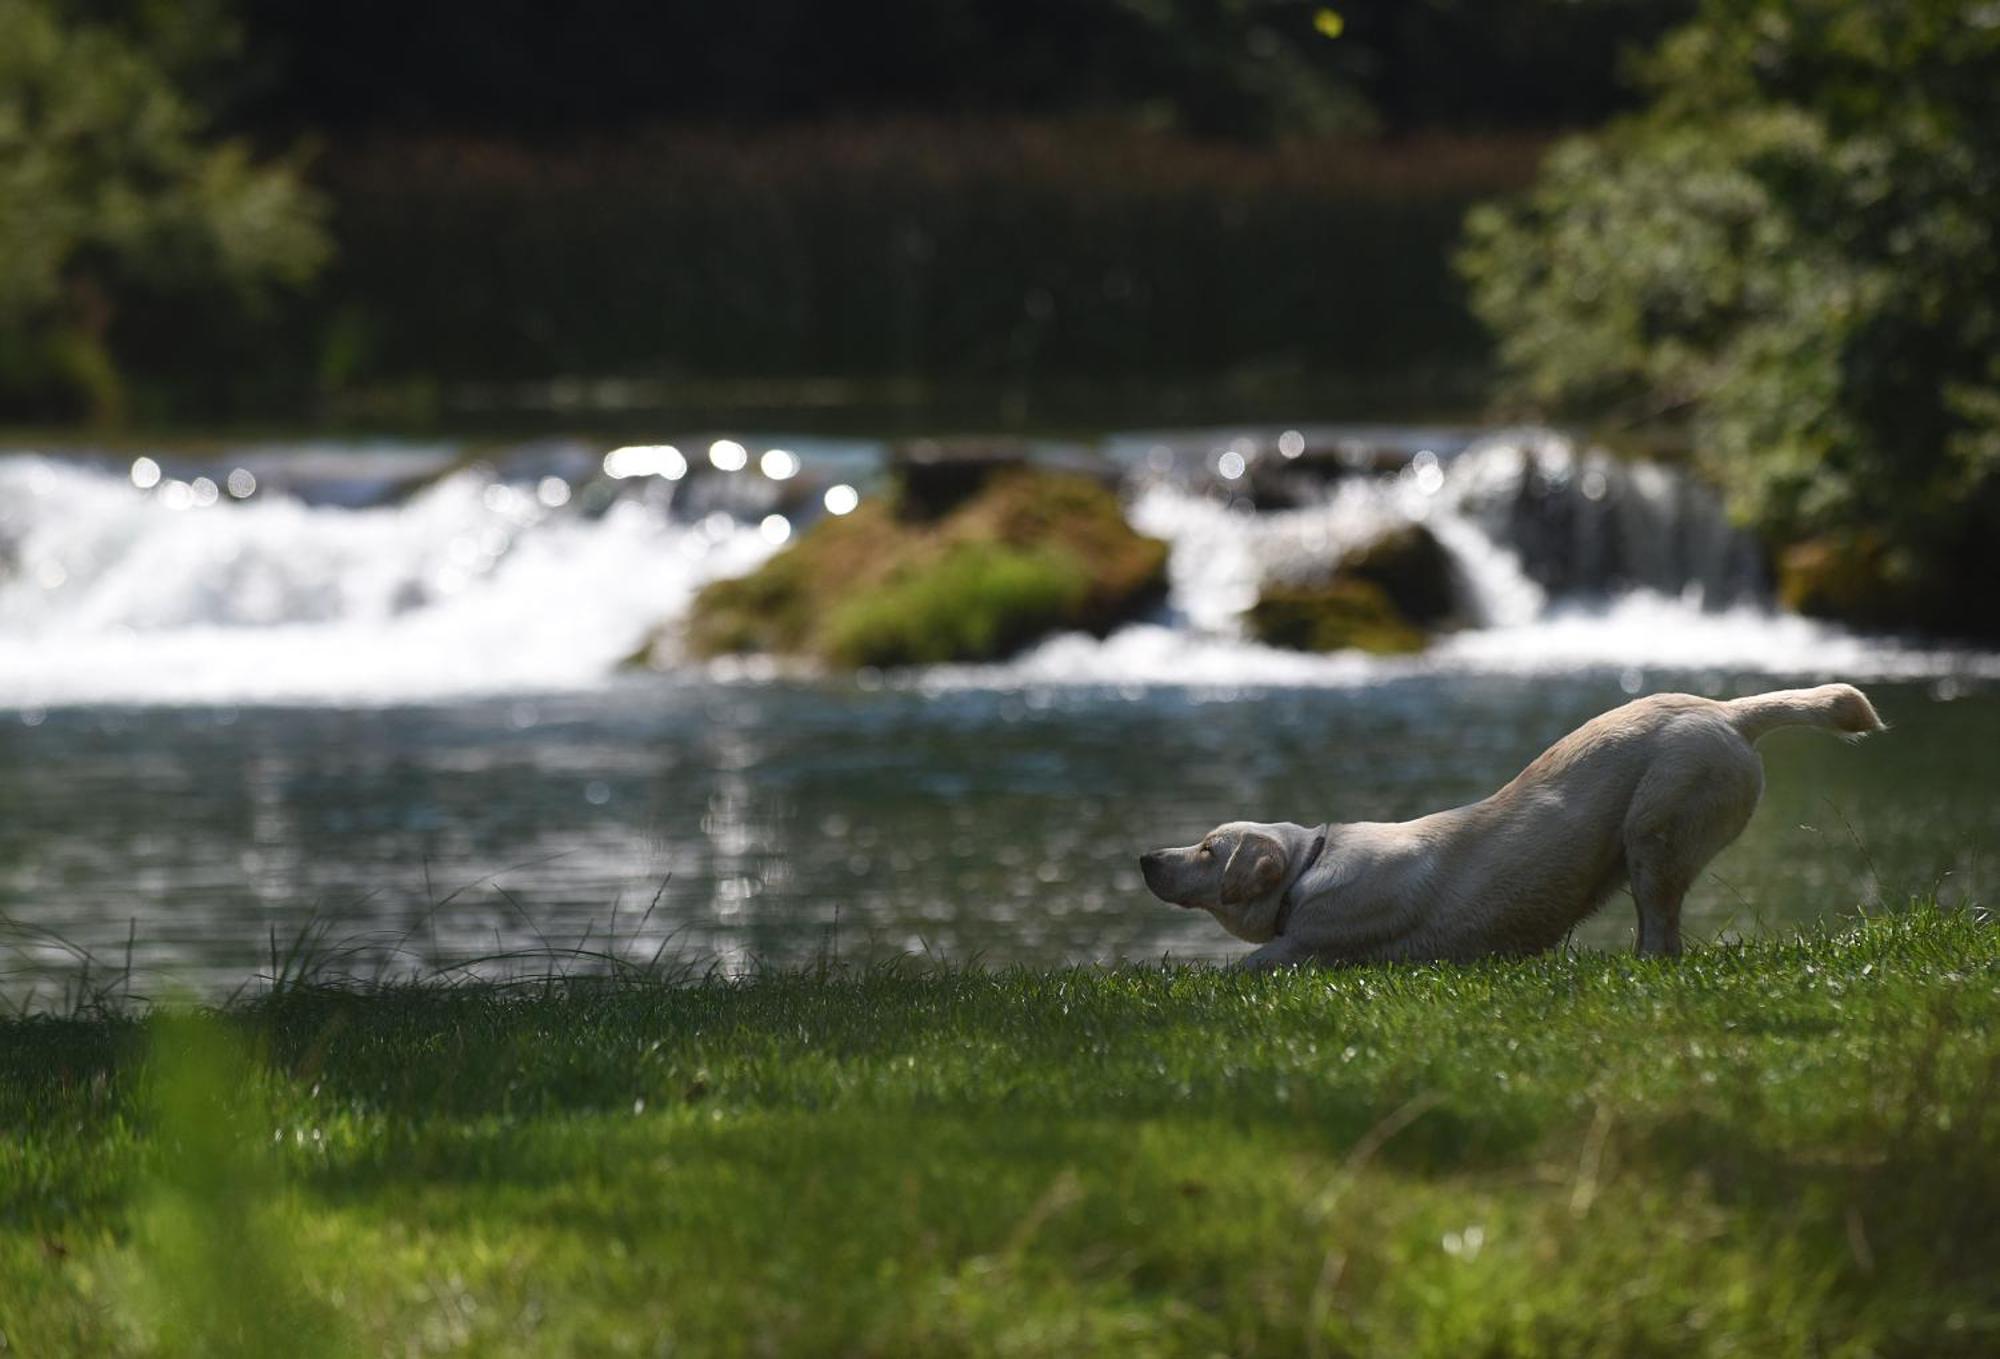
(1022, 257)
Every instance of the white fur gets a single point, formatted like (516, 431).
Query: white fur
(1644, 795)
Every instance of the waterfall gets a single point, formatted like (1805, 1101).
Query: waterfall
(400, 574)
(1530, 523)
(472, 584)
(1591, 524)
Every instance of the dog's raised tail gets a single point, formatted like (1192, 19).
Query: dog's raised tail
(1838, 708)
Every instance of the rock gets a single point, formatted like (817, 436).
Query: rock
(1411, 567)
(1030, 553)
(1340, 614)
(1847, 578)
(1382, 597)
(934, 477)
(1869, 579)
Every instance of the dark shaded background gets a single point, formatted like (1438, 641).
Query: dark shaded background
(895, 213)
(1207, 67)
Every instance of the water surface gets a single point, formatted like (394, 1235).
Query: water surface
(386, 689)
(775, 822)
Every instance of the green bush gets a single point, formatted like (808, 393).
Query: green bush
(1795, 252)
(113, 193)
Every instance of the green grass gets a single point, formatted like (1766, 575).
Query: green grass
(1787, 1147)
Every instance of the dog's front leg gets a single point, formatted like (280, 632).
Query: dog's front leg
(1280, 952)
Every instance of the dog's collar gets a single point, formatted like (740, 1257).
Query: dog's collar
(1285, 902)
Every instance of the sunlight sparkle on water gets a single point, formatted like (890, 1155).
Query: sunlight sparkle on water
(242, 484)
(645, 460)
(728, 455)
(779, 464)
(1427, 473)
(842, 499)
(775, 528)
(552, 492)
(145, 473)
(1230, 465)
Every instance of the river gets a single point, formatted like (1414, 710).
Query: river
(380, 699)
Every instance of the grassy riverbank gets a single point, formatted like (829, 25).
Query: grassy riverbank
(1785, 1147)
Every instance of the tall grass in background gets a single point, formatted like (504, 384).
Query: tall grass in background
(1016, 255)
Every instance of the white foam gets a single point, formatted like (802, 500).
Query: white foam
(472, 586)
(480, 586)
(1220, 554)
(1632, 635)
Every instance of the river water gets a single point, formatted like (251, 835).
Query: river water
(383, 691)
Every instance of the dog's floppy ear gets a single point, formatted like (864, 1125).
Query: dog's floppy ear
(1255, 869)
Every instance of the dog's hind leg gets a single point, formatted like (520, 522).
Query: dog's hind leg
(1683, 814)
(1660, 880)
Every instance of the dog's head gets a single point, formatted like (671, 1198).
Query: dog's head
(1236, 872)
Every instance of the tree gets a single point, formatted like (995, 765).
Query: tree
(1795, 249)
(109, 188)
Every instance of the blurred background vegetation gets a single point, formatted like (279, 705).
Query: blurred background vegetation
(412, 211)
(1791, 253)
(1761, 231)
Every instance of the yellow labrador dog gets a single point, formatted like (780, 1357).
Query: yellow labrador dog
(1646, 794)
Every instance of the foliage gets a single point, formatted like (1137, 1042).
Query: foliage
(111, 191)
(1785, 1147)
(1033, 553)
(978, 205)
(1797, 248)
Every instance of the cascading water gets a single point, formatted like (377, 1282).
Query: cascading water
(472, 584)
(422, 580)
(1564, 560)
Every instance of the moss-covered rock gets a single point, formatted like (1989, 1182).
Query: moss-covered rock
(1382, 597)
(1029, 554)
(1337, 615)
(1412, 569)
(935, 476)
(1850, 578)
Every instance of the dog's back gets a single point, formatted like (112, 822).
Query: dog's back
(1646, 793)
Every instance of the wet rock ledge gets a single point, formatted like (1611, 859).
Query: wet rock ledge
(1385, 597)
(971, 558)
